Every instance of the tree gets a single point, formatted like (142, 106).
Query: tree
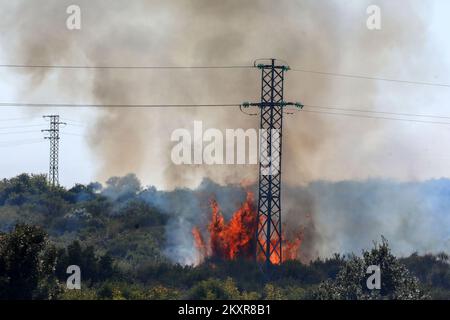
(105, 267)
(27, 265)
(18, 190)
(162, 293)
(272, 292)
(351, 282)
(215, 289)
(93, 267)
(122, 188)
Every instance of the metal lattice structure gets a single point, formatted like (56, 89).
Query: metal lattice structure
(269, 234)
(53, 137)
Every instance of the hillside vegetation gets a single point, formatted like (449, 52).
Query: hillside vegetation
(118, 239)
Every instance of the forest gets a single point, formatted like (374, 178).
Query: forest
(118, 240)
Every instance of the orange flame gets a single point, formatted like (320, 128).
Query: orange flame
(290, 249)
(236, 238)
(200, 244)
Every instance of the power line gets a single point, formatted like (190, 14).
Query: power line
(19, 141)
(36, 66)
(378, 112)
(372, 117)
(70, 120)
(20, 144)
(18, 127)
(154, 67)
(73, 134)
(18, 132)
(374, 78)
(65, 105)
(74, 125)
(17, 119)
(163, 106)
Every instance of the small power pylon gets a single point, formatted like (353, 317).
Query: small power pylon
(53, 137)
(269, 235)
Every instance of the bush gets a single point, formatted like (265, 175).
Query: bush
(215, 289)
(27, 265)
(350, 284)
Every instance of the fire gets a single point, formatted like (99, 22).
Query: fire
(290, 249)
(199, 242)
(236, 238)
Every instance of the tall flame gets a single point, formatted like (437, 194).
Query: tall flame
(236, 238)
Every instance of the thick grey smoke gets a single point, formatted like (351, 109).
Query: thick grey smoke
(317, 35)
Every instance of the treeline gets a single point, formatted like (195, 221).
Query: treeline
(31, 267)
(117, 240)
(111, 219)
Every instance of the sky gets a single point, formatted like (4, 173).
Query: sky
(367, 149)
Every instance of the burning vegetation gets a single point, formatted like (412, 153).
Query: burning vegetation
(236, 238)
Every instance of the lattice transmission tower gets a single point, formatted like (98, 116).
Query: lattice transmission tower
(53, 137)
(269, 236)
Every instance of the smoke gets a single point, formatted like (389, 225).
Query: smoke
(341, 217)
(321, 35)
(348, 216)
(189, 208)
(317, 35)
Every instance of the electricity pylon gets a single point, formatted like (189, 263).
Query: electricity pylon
(53, 137)
(269, 235)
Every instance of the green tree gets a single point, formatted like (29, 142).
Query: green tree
(18, 190)
(215, 289)
(27, 265)
(93, 267)
(351, 282)
(272, 292)
(163, 293)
